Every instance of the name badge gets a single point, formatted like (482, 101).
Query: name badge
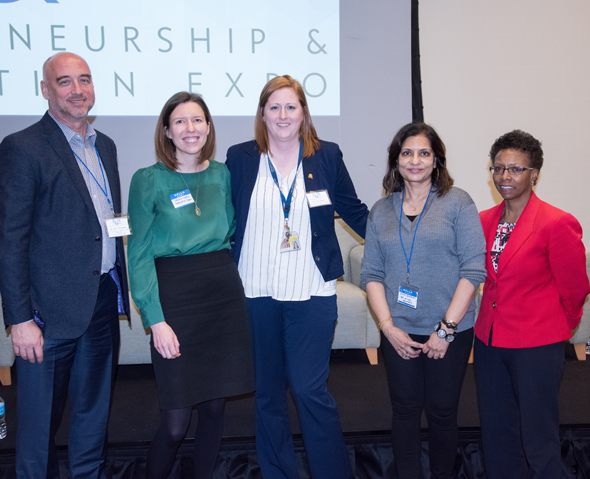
(318, 198)
(182, 198)
(408, 295)
(118, 226)
(290, 242)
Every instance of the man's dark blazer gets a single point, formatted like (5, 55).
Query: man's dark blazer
(324, 170)
(50, 236)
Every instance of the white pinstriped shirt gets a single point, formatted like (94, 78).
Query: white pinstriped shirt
(264, 270)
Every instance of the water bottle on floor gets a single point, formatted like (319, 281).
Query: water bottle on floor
(2, 419)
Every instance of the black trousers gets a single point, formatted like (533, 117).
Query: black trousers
(432, 385)
(517, 393)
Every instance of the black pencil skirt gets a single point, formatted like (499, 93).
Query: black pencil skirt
(203, 302)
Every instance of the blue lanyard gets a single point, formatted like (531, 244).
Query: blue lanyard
(286, 201)
(104, 180)
(401, 213)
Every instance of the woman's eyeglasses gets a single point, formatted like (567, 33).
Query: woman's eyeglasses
(512, 170)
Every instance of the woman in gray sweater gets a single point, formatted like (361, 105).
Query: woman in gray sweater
(424, 259)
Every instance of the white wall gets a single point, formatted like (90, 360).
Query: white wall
(491, 67)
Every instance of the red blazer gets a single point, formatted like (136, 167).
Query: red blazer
(536, 298)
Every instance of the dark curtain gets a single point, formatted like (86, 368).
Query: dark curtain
(417, 106)
(370, 455)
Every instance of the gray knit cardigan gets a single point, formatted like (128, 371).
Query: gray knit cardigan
(449, 245)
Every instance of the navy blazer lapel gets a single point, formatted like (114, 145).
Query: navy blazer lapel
(310, 173)
(249, 171)
(59, 143)
(521, 232)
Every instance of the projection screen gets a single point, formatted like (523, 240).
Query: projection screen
(352, 58)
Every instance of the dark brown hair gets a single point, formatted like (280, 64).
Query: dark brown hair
(306, 130)
(441, 179)
(165, 149)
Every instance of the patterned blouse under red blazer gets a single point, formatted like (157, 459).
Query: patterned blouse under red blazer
(537, 295)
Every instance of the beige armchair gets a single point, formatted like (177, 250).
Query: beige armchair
(357, 327)
(582, 332)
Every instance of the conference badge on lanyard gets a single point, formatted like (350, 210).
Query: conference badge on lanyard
(408, 294)
(118, 225)
(290, 239)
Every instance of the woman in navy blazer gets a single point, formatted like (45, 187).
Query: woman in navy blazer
(286, 186)
(533, 297)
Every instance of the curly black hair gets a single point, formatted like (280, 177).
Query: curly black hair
(520, 141)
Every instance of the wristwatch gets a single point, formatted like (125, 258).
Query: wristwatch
(442, 334)
(449, 324)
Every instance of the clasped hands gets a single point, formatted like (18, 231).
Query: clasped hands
(407, 348)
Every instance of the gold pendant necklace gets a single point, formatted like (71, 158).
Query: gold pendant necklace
(409, 204)
(414, 208)
(197, 209)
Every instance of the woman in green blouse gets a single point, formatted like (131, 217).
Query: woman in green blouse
(186, 285)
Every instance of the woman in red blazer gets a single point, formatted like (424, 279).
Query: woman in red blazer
(533, 297)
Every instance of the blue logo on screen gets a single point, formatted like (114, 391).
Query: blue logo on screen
(12, 1)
